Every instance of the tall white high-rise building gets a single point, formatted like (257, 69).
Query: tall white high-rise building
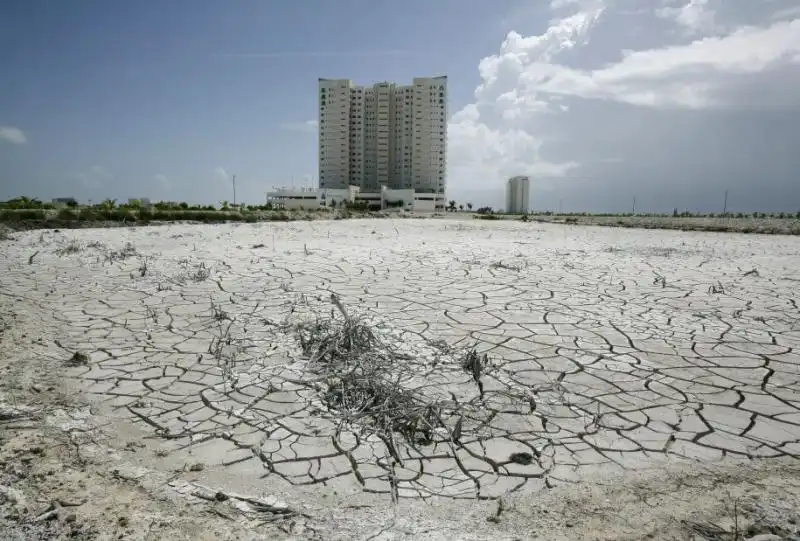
(383, 135)
(518, 192)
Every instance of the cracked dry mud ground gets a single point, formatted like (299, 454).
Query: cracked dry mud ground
(610, 352)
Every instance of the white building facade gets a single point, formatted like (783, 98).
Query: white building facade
(518, 193)
(309, 199)
(384, 199)
(384, 135)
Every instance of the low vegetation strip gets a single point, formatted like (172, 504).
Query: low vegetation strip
(769, 225)
(779, 224)
(90, 217)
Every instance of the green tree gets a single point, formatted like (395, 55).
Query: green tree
(469, 206)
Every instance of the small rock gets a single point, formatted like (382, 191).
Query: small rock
(11, 495)
(525, 459)
(122, 521)
(129, 473)
(197, 467)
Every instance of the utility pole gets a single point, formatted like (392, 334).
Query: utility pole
(725, 204)
(633, 210)
(234, 190)
(560, 201)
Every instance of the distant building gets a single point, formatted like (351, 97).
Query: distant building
(386, 198)
(143, 202)
(309, 199)
(65, 202)
(518, 193)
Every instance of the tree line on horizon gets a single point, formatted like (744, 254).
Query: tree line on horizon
(135, 205)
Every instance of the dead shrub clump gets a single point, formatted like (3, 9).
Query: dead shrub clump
(78, 359)
(72, 247)
(474, 365)
(129, 250)
(361, 381)
(200, 274)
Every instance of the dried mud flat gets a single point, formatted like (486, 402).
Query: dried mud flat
(414, 379)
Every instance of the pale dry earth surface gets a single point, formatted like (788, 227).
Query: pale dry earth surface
(636, 384)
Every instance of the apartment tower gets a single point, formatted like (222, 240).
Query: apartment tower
(383, 135)
(518, 192)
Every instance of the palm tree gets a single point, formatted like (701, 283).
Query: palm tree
(461, 207)
(22, 202)
(469, 206)
(108, 204)
(452, 206)
(224, 205)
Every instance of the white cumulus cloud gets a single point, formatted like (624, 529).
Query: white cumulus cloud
(535, 107)
(696, 16)
(93, 178)
(221, 174)
(309, 126)
(163, 181)
(10, 134)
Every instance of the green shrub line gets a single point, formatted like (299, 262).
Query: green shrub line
(67, 217)
(122, 215)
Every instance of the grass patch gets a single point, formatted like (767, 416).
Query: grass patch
(72, 246)
(10, 215)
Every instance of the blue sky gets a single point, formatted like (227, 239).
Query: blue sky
(123, 91)
(168, 99)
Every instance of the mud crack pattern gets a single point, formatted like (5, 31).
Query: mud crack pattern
(607, 348)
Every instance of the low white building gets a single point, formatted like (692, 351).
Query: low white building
(294, 199)
(411, 200)
(429, 202)
(333, 197)
(387, 198)
(400, 199)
